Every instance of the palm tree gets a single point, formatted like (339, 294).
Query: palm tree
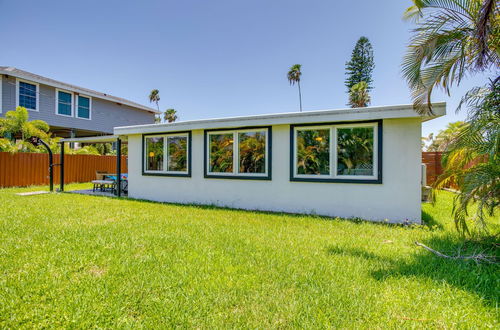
(453, 38)
(441, 141)
(293, 76)
(472, 160)
(170, 115)
(358, 95)
(16, 123)
(154, 96)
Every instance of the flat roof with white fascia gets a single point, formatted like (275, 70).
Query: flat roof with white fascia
(306, 117)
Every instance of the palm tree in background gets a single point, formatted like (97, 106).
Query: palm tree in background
(293, 76)
(154, 97)
(446, 136)
(453, 38)
(170, 115)
(17, 124)
(358, 95)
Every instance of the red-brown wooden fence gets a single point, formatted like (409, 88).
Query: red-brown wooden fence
(27, 169)
(432, 160)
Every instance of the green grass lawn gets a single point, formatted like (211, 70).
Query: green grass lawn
(80, 261)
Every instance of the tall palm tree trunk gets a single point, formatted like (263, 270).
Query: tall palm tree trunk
(300, 96)
(159, 113)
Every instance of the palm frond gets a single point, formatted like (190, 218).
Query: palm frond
(452, 38)
(487, 13)
(472, 161)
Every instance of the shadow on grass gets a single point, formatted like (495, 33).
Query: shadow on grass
(479, 279)
(354, 220)
(429, 221)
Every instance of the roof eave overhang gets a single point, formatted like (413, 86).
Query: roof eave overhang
(308, 117)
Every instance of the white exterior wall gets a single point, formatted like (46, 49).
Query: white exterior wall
(396, 199)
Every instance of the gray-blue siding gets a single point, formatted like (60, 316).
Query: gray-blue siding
(105, 114)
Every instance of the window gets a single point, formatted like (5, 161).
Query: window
(27, 95)
(252, 152)
(177, 153)
(221, 153)
(313, 151)
(337, 152)
(154, 153)
(83, 107)
(355, 151)
(242, 153)
(64, 103)
(167, 154)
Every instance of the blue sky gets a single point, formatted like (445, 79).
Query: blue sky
(214, 58)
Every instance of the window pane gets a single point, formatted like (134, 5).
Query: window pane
(64, 97)
(355, 151)
(221, 153)
(313, 151)
(252, 152)
(64, 103)
(83, 101)
(83, 107)
(154, 154)
(177, 153)
(83, 112)
(64, 109)
(27, 89)
(27, 95)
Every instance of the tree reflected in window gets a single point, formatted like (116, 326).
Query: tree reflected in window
(177, 153)
(313, 151)
(221, 153)
(355, 151)
(154, 154)
(252, 152)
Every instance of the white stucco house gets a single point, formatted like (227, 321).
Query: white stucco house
(363, 162)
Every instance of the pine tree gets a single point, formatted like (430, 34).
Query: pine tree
(361, 65)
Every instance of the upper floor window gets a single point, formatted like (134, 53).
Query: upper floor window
(337, 153)
(64, 104)
(27, 95)
(167, 154)
(241, 153)
(83, 107)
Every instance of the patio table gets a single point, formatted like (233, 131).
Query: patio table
(102, 184)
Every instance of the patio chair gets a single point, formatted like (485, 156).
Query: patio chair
(99, 175)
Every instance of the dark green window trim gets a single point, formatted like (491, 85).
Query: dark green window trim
(378, 180)
(185, 175)
(269, 140)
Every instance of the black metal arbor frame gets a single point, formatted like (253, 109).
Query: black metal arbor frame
(94, 140)
(36, 141)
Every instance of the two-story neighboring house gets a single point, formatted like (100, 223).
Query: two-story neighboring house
(71, 111)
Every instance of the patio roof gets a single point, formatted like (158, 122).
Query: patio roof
(96, 139)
